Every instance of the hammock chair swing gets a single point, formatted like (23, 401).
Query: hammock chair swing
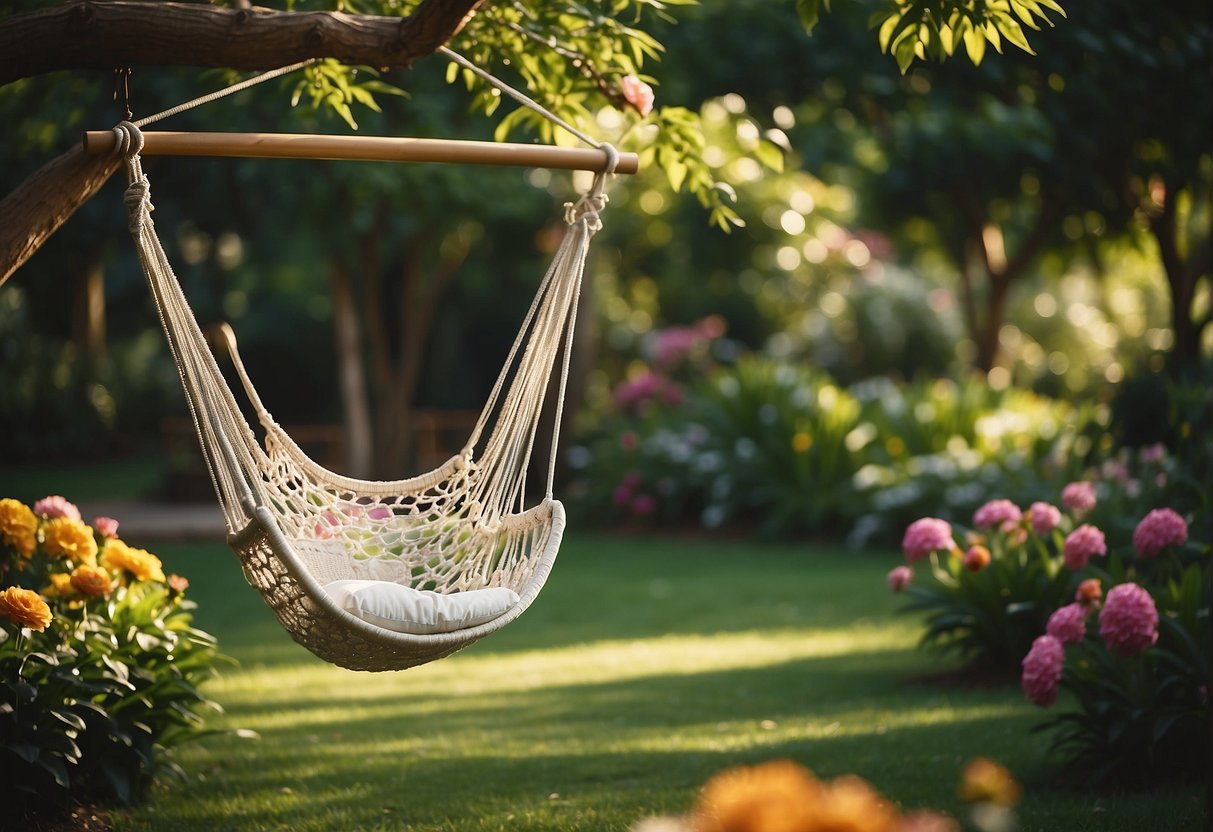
(381, 575)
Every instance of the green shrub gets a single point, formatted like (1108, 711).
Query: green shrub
(99, 663)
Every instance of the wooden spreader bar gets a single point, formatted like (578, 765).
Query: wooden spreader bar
(363, 148)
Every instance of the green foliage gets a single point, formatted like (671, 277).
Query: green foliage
(1143, 718)
(91, 704)
(774, 446)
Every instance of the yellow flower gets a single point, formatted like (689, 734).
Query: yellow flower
(60, 586)
(18, 526)
(25, 608)
(143, 565)
(91, 581)
(985, 781)
(71, 539)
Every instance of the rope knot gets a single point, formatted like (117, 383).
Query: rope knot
(138, 203)
(587, 208)
(128, 139)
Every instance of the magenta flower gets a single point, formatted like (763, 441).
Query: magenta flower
(1082, 544)
(997, 513)
(56, 506)
(1153, 453)
(1042, 670)
(621, 496)
(107, 527)
(1078, 496)
(926, 535)
(637, 93)
(899, 578)
(643, 504)
(1044, 517)
(1068, 624)
(675, 344)
(1161, 529)
(1128, 623)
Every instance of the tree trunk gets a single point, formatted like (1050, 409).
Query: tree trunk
(1182, 278)
(88, 322)
(355, 404)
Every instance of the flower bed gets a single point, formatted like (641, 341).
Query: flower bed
(99, 663)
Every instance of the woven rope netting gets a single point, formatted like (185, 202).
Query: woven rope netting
(297, 526)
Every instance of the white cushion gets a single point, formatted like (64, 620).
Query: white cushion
(403, 609)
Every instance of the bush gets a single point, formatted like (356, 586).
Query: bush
(989, 596)
(778, 447)
(99, 663)
(1137, 661)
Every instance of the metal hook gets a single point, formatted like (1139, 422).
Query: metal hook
(122, 88)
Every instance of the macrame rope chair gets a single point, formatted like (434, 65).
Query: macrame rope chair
(297, 527)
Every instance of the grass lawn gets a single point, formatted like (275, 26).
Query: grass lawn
(645, 666)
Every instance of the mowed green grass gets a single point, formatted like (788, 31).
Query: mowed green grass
(646, 666)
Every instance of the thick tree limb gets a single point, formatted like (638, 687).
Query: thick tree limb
(44, 201)
(122, 33)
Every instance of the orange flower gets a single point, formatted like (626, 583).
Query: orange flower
(779, 796)
(143, 565)
(25, 608)
(985, 781)
(71, 539)
(91, 581)
(850, 804)
(977, 558)
(18, 526)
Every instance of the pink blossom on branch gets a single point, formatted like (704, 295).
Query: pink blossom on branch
(1161, 529)
(1044, 518)
(1082, 544)
(926, 535)
(1068, 624)
(997, 513)
(1078, 497)
(638, 94)
(1042, 670)
(1128, 623)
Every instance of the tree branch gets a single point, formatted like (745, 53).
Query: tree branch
(121, 33)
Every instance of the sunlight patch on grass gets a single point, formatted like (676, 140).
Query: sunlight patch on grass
(588, 664)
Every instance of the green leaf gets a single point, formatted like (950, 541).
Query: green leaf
(809, 12)
(975, 45)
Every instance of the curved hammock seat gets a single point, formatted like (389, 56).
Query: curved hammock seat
(298, 527)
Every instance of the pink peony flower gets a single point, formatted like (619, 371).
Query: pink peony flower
(1161, 529)
(1089, 592)
(1128, 623)
(1068, 624)
(997, 513)
(1082, 544)
(629, 441)
(1078, 496)
(107, 527)
(899, 578)
(926, 535)
(56, 506)
(1042, 670)
(638, 94)
(1044, 517)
